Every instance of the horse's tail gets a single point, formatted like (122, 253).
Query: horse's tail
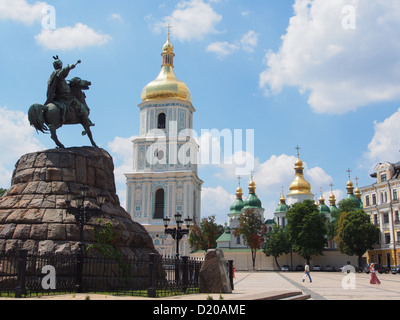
(35, 116)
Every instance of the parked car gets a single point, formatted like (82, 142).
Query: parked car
(349, 268)
(300, 268)
(396, 269)
(285, 268)
(329, 268)
(378, 267)
(317, 267)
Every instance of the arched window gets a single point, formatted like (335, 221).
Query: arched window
(161, 121)
(159, 204)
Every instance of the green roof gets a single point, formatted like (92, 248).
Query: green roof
(352, 197)
(323, 208)
(333, 209)
(281, 208)
(252, 202)
(224, 237)
(237, 206)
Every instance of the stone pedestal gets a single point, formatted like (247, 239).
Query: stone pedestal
(214, 274)
(33, 215)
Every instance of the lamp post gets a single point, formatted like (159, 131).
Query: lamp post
(83, 214)
(177, 233)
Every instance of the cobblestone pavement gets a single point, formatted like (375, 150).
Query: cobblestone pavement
(339, 286)
(249, 285)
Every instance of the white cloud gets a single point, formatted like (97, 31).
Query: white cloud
(22, 11)
(216, 201)
(249, 41)
(223, 48)
(121, 149)
(385, 145)
(17, 138)
(340, 69)
(191, 20)
(274, 173)
(69, 38)
(122, 152)
(318, 178)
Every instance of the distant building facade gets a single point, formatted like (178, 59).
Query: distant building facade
(381, 202)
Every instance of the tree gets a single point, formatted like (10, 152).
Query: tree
(252, 228)
(307, 229)
(205, 236)
(277, 243)
(356, 234)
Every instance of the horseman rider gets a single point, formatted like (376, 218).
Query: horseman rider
(59, 92)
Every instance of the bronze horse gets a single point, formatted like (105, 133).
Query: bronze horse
(49, 117)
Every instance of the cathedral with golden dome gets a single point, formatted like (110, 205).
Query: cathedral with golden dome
(236, 249)
(164, 180)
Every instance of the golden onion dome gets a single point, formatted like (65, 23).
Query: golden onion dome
(350, 187)
(166, 85)
(252, 187)
(299, 185)
(239, 193)
(332, 199)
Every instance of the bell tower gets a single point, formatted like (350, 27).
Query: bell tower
(164, 180)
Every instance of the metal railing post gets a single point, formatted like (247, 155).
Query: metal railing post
(231, 273)
(21, 265)
(79, 269)
(151, 291)
(185, 273)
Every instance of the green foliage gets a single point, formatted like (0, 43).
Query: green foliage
(356, 234)
(107, 239)
(277, 243)
(347, 205)
(205, 236)
(307, 228)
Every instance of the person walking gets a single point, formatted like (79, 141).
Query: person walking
(374, 279)
(307, 272)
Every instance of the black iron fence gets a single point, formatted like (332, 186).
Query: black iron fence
(24, 275)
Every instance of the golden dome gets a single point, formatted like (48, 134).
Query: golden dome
(299, 185)
(239, 193)
(350, 187)
(252, 186)
(166, 85)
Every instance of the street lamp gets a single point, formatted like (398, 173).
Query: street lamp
(83, 214)
(177, 233)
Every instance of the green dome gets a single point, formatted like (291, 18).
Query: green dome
(333, 209)
(357, 202)
(282, 208)
(237, 206)
(252, 202)
(323, 208)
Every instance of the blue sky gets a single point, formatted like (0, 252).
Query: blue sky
(324, 75)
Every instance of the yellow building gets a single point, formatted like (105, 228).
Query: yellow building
(381, 202)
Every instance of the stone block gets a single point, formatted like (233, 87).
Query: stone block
(53, 174)
(56, 232)
(214, 275)
(22, 231)
(38, 232)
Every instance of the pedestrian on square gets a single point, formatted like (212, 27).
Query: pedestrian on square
(307, 272)
(374, 278)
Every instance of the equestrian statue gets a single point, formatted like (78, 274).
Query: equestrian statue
(65, 104)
